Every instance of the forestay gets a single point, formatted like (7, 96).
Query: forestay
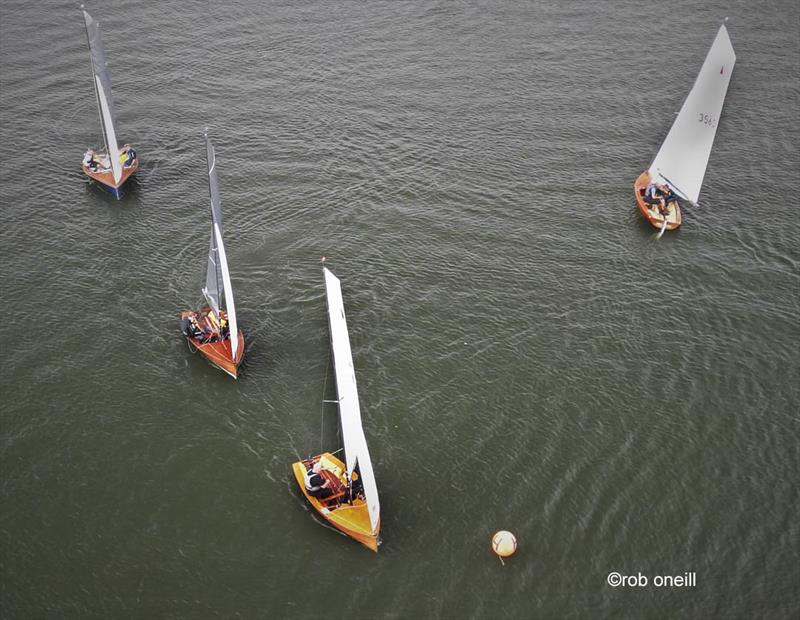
(218, 279)
(105, 99)
(355, 444)
(683, 157)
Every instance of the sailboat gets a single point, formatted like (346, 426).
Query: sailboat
(112, 166)
(212, 330)
(343, 492)
(680, 165)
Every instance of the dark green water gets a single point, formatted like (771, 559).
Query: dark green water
(528, 356)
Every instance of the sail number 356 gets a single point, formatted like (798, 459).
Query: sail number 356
(707, 120)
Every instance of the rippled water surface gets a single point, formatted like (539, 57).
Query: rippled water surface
(528, 356)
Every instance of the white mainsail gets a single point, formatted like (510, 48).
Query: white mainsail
(683, 157)
(355, 444)
(217, 272)
(105, 100)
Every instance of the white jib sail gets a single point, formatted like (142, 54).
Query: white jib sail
(683, 157)
(229, 305)
(355, 444)
(110, 135)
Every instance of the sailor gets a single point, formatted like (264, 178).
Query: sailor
(223, 328)
(130, 158)
(651, 194)
(196, 331)
(316, 485)
(666, 195)
(89, 161)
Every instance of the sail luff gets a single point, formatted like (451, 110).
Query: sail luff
(355, 444)
(684, 154)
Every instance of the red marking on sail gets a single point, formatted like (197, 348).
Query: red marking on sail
(722, 69)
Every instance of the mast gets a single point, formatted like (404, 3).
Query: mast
(355, 444)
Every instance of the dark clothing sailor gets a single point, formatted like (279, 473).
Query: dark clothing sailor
(316, 485)
(89, 161)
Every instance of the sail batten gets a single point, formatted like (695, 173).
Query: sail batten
(105, 98)
(683, 157)
(355, 443)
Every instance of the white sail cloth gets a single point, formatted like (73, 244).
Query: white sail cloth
(105, 99)
(355, 444)
(683, 157)
(218, 278)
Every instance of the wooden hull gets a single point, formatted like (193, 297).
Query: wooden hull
(652, 212)
(219, 353)
(351, 518)
(105, 177)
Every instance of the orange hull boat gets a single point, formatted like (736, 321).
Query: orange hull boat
(218, 352)
(652, 212)
(105, 176)
(350, 516)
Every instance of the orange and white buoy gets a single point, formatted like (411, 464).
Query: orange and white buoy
(504, 544)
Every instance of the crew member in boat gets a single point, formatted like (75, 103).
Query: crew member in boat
(89, 161)
(127, 156)
(652, 194)
(316, 485)
(667, 195)
(197, 331)
(224, 328)
(659, 195)
(211, 326)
